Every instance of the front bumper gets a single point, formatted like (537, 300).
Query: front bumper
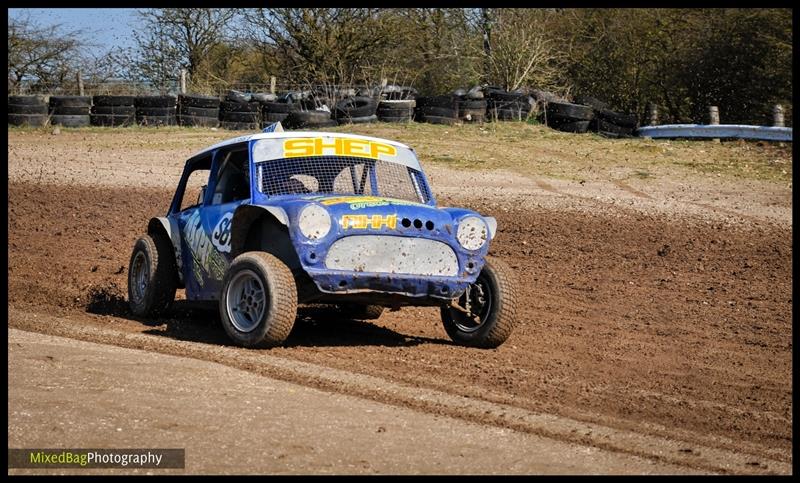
(341, 282)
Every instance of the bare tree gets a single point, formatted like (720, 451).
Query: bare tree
(318, 45)
(177, 38)
(44, 57)
(523, 50)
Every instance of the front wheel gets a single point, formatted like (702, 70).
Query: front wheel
(258, 303)
(485, 315)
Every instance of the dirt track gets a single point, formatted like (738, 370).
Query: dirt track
(670, 323)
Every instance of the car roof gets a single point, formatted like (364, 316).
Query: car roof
(293, 134)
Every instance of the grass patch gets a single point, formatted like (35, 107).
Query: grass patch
(523, 147)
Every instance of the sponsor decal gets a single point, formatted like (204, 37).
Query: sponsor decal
(221, 236)
(359, 148)
(201, 247)
(361, 202)
(363, 222)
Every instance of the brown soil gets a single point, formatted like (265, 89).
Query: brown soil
(662, 323)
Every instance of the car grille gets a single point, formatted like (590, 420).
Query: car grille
(392, 254)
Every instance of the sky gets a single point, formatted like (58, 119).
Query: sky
(105, 27)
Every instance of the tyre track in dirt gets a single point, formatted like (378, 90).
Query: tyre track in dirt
(613, 333)
(639, 315)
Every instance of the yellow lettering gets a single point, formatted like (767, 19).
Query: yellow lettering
(356, 147)
(378, 221)
(319, 146)
(362, 222)
(294, 148)
(380, 148)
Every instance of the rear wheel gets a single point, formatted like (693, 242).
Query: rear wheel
(258, 304)
(152, 276)
(484, 316)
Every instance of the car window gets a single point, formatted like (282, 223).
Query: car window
(197, 180)
(234, 178)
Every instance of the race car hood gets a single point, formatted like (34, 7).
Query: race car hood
(360, 216)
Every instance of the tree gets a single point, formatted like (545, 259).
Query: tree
(44, 57)
(178, 38)
(523, 50)
(331, 45)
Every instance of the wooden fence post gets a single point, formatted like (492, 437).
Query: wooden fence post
(652, 115)
(713, 115)
(777, 116)
(272, 81)
(80, 83)
(713, 118)
(183, 81)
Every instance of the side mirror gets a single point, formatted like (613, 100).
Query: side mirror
(202, 195)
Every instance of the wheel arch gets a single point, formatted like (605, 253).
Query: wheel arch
(246, 218)
(163, 226)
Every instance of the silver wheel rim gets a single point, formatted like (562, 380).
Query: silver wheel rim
(246, 301)
(140, 276)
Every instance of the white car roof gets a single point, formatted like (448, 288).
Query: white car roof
(295, 134)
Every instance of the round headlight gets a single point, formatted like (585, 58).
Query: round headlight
(314, 222)
(472, 233)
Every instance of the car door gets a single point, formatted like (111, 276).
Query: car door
(229, 187)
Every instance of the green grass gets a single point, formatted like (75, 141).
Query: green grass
(526, 148)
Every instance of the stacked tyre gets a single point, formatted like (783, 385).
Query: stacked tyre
(437, 109)
(200, 111)
(70, 111)
(356, 110)
(612, 124)
(275, 111)
(396, 110)
(112, 111)
(155, 110)
(472, 110)
(239, 115)
(507, 106)
(309, 119)
(567, 117)
(27, 111)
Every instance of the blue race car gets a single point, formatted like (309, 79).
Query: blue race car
(288, 218)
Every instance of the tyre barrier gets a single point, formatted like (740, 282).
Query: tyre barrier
(155, 110)
(568, 117)
(354, 107)
(27, 111)
(357, 120)
(472, 109)
(396, 110)
(239, 116)
(506, 106)
(437, 109)
(200, 111)
(246, 111)
(70, 111)
(302, 119)
(112, 111)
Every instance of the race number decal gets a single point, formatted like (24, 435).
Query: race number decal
(221, 237)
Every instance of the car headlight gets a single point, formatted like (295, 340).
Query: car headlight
(314, 222)
(472, 233)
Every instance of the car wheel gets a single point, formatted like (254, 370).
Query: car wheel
(484, 316)
(258, 303)
(152, 276)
